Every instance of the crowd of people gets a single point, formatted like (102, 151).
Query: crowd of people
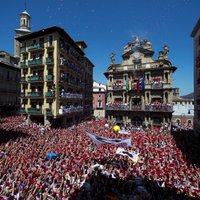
(81, 169)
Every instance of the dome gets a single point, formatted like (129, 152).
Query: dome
(25, 13)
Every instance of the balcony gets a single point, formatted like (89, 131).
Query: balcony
(150, 107)
(35, 62)
(49, 112)
(136, 107)
(70, 109)
(22, 80)
(71, 66)
(35, 78)
(117, 87)
(22, 49)
(22, 95)
(117, 106)
(22, 110)
(49, 94)
(49, 60)
(35, 47)
(157, 86)
(68, 95)
(49, 77)
(23, 64)
(35, 111)
(35, 95)
(159, 107)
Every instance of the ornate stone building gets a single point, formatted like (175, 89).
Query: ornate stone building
(139, 90)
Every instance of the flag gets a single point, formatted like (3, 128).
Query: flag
(130, 82)
(51, 155)
(102, 140)
(138, 84)
(131, 155)
(127, 84)
(143, 82)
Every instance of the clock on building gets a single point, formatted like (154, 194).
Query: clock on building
(136, 54)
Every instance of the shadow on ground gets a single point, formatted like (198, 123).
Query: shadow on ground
(102, 187)
(189, 144)
(9, 135)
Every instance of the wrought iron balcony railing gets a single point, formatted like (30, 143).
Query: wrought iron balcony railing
(35, 78)
(49, 94)
(35, 62)
(68, 95)
(35, 111)
(49, 77)
(35, 46)
(23, 64)
(22, 49)
(49, 60)
(22, 110)
(35, 94)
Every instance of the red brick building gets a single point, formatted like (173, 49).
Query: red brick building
(99, 99)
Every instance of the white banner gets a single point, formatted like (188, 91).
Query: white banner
(123, 132)
(103, 140)
(131, 155)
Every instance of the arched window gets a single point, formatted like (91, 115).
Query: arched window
(24, 22)
(189, 122)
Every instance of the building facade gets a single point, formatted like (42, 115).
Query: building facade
(56, 77)
(183, 110)
(9, 84)
(196, 37)
(139, 90)
(99, 99)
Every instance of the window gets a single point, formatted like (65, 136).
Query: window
(99, 105)
(8, 74)
(50, 40)
(189, 122)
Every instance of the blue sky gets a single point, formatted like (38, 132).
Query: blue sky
(107, 25)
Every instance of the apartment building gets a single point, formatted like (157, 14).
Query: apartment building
(139, 90)
(56, 77)
(196, 48)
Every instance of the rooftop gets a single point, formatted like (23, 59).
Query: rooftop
(195, 29)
